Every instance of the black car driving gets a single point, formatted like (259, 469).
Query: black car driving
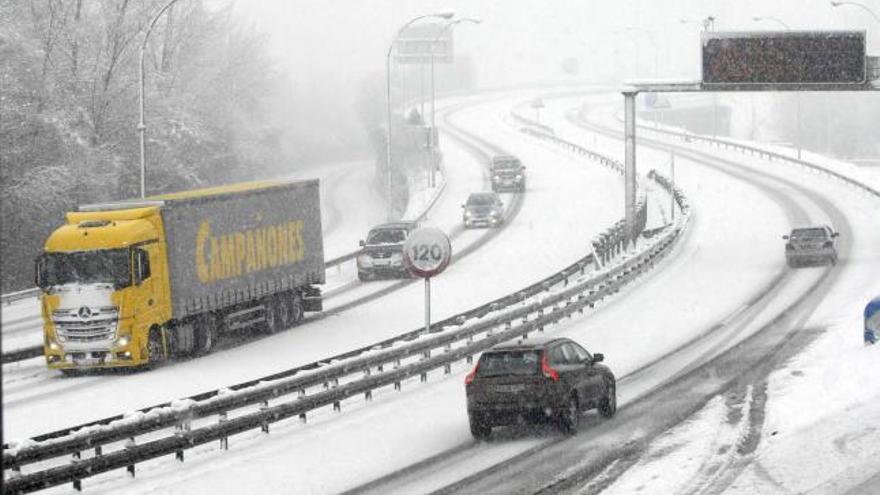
(537, 380)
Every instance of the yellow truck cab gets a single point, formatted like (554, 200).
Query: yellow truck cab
(134, 282)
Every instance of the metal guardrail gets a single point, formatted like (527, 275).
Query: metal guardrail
(528, 316)
(17, 296)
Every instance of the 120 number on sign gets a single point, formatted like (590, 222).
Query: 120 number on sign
(427, 252)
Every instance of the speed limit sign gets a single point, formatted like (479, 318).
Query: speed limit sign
(427, 252)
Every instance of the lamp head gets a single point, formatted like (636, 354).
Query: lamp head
(444, 14)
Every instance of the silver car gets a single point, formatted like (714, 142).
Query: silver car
(811, 245)
(483, 209)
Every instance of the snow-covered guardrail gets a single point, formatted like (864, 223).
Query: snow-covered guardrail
(17, 296)
(298, 391)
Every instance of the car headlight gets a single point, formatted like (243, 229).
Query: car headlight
(497, 177)
(468, 214)
(364, 260)
(396, 257)
(518, 176)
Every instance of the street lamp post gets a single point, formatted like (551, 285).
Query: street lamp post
(447, 27)
(859, 5)
(142, 125)
(441, 15)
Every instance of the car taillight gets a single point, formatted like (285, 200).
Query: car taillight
(548, 370)
(470, 376)
(828, 244)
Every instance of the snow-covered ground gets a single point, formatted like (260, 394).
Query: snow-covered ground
(821, 407)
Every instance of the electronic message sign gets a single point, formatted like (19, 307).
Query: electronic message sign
(784, 58)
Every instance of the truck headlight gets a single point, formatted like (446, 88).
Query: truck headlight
(53, 346)
(123, 341)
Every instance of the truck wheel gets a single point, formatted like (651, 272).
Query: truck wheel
(206, 334)
(297, 310)
(272, 308)
(155, 347)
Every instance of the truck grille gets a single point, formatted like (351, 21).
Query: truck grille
(86, 324)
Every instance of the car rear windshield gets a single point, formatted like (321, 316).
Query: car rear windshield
(386, 236)
(817, 233)
(509, 363)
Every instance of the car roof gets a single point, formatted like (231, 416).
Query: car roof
(396, 225)
(526, 344)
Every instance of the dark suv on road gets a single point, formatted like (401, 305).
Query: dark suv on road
(811, 245)
(382, 253)
(536, 380)
(507, 174)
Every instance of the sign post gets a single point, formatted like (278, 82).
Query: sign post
(426, 253)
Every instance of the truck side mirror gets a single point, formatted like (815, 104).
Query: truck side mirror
(39, 266)
(138, 268)
(141, 266)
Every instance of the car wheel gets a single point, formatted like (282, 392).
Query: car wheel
(569, 417)
(363, 277)
(833, 260)
(480, 430)
(608, 404)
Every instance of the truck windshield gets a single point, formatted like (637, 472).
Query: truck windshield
(110, 266)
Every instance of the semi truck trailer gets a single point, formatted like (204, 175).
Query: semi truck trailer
(135, 282)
